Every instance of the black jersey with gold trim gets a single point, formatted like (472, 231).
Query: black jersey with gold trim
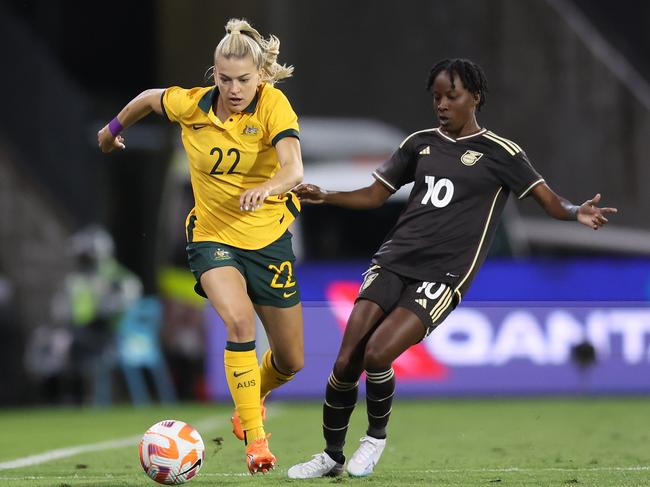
(460, 189)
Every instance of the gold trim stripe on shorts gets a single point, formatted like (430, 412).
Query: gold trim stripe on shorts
(442, 305)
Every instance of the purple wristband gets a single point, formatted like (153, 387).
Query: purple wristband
(115, 127)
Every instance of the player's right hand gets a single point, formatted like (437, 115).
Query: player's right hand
(309, 193)
(107, 142)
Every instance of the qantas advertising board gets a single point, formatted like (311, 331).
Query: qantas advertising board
(560, 328)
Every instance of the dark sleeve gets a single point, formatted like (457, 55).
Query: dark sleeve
(398, 170)
(162, 104)
(518, 174)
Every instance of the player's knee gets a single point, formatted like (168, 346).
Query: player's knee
(297, 365)
(240, 325)
(289, 365)
(375, 358)
(344, 369)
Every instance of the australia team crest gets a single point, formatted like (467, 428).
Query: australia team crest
(221, 254)
(250, 130)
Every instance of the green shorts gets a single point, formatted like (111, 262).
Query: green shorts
(268, 271)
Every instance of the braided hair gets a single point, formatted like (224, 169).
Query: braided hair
(470, 73)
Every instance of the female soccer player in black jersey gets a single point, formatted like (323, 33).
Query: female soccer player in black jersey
(462, 175)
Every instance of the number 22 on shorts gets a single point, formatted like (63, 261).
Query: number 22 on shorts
(289, 282)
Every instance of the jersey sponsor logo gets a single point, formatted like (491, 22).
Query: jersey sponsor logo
(286, 295)
(425, 151)
(248, 130)
(470, 157)
(439, 193)
(221, 254)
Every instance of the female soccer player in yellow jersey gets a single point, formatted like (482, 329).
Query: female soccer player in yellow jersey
(241, 140)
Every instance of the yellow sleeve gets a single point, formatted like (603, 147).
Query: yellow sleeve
(281, 120)
(178, 102)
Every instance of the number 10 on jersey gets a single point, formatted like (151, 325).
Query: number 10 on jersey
(435, 189)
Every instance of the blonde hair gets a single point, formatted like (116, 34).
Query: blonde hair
(243, 40)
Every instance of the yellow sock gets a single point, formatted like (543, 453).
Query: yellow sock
(271, 377)
(243, 376)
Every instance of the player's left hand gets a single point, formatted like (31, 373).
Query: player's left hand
(253, 198)
(591, 215)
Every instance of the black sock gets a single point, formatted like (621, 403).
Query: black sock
(380, 387)
(340, 399)
(337, 456)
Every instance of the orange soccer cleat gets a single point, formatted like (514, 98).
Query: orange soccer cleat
(237, 430)
(258, 456)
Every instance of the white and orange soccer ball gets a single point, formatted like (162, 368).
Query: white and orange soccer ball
(171, 452)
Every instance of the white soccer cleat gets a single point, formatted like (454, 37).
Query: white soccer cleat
(321, 465)
(363, 460)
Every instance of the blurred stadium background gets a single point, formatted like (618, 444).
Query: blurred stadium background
(93, 280)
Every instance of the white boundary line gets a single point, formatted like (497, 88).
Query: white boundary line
(637, 468)
(28, 461)
(68, 452)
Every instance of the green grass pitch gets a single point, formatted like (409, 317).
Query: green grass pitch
(508, 442)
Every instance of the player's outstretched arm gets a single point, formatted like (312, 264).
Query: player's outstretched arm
(588, 213)
(372, 196)
(289, 174)
(109, 138)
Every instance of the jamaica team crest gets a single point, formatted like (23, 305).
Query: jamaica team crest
(470, 157)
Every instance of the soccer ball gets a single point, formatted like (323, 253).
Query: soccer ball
(171, 452)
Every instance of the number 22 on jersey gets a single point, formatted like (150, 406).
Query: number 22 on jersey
(232, 153)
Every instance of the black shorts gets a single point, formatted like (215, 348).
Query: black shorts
(430, 301)
(268, 271)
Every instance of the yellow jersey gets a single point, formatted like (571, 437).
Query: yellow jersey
(227, 158)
